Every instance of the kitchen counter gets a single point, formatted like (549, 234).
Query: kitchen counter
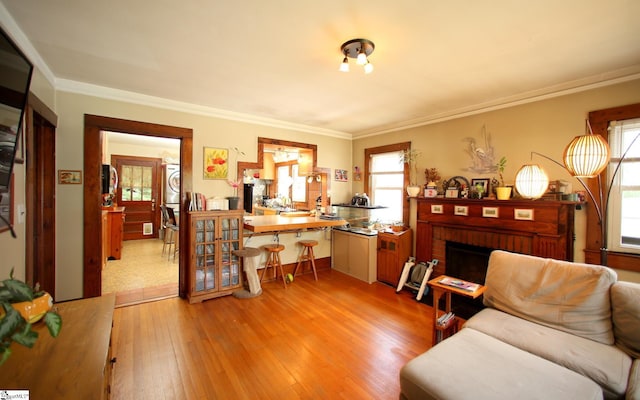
(277, 223)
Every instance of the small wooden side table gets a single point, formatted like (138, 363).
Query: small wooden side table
(440, 289)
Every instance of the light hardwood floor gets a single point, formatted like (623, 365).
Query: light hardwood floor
(142, 274)
(332, 339)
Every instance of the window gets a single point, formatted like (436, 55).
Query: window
(136, 183)
(290, 184)
(387, 178)
(387, 184)
(624, 202)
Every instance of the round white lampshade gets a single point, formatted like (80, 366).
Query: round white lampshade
(531, 181)
(586, 156)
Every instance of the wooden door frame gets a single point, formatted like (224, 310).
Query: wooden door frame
(158, 187)
(94, 126)
(39, 235)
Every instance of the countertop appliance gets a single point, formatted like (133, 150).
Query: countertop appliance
(360, 200)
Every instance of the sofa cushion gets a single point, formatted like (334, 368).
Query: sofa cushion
(568, 296)
(606, 365)
(472, 365)
(625, 306)
(633, 390)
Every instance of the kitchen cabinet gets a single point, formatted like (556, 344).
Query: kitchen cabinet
(75, 365)
(213, 269)
(112, 232)
(354, 254)
(268, 170)
(394, 249)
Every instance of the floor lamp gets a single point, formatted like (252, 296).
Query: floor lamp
(585, 157)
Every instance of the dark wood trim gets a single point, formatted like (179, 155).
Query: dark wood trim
(40, 188)
(93, 127)
(599, 121)
(549, 234)
(388, 149)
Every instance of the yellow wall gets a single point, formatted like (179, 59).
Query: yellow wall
(545, 126)
(207, 131)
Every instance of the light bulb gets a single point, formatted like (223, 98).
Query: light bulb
(362, 58)
(344, 67)
(368, 68)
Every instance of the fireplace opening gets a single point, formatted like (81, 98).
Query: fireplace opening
(469, 263)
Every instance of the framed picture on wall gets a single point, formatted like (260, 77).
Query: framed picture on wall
(340, 175)
(69, 177)
(215, 163)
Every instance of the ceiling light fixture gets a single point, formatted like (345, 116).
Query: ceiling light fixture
(360, 49)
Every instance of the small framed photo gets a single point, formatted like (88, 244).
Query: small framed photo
(340, 175)
(452, 193)
(480, 185)
(525, 214)
(490, 212)
(436, 209)
(461, 210)
(69, 177)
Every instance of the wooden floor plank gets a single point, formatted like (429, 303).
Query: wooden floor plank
(335, 338)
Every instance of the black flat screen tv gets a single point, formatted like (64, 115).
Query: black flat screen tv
(15, 78)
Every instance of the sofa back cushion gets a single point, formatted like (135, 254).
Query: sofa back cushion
(625, 305)
(571, 297)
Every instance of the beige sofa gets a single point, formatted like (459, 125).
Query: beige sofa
(551, 330)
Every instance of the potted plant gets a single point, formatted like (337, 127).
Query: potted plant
(432, 177)
(234, 182)
(23, 306)
(503, 192)
(410, 157)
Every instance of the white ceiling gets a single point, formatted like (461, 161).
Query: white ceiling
(278, 60)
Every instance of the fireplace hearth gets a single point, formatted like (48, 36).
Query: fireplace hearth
(467, 262)
(462, 241)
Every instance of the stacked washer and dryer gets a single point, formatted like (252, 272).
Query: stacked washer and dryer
(171, 190)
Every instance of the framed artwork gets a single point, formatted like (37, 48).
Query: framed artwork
(461, 210)
(483, 183)
(215, 163)
(490, 212)
(69, 177)
(340, 175)
(436, 209)
(452, 193)
(523, 214)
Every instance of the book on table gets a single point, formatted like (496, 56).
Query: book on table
(460, 284)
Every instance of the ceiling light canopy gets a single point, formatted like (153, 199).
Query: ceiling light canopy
(359, 49)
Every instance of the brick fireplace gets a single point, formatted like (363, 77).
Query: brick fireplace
(541, 228)
(461, 233)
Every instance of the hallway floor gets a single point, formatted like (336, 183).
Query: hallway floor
(142, 274)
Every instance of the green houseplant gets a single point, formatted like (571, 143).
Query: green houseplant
(503, 192)
(22, 306)
(410, 157)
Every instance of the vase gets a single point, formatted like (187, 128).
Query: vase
(233, 202)
(413, 190)
(503, 193)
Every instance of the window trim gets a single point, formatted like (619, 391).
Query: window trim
(599, 121)
(367, 173)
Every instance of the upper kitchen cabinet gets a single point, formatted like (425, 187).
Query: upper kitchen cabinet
(268, 171)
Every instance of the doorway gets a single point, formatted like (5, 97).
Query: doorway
(94, 135)
(139, 192)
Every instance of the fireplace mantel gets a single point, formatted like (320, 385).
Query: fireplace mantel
(540, 228)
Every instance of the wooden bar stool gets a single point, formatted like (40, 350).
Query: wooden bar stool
(273, 261)
(307, 255)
